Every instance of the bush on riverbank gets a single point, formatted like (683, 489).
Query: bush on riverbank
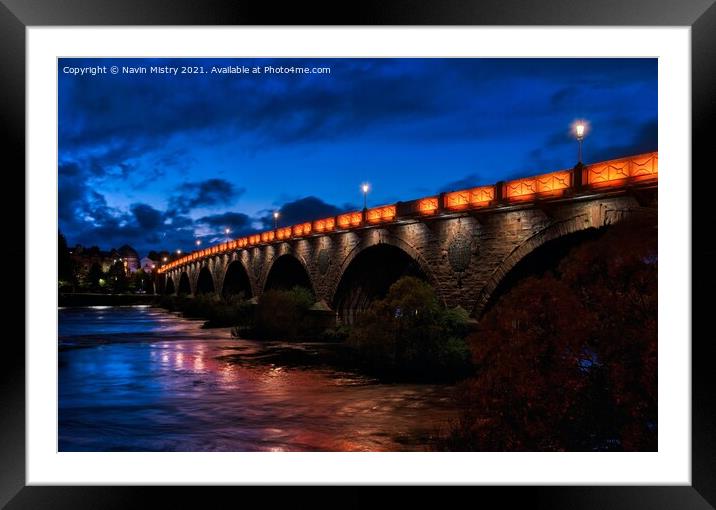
(568, 360)
(409, 334)
(287, 315)
(218, 311)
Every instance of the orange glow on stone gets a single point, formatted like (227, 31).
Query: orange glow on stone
(428, 205)
(302, 229)
(324, 225)
(349, 220)
(618, 172)
(469, 198)
(551, 184)
(380, 214)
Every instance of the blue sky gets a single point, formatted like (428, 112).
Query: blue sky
(157, 161)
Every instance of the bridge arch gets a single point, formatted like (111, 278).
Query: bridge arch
(286, 272)
(236, 280)
(371, 268)
(558, 230)
(205, 281)
(184, 284)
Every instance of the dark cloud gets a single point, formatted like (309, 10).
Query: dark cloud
(208, 193)
(234, 221)
(469, 181)
(304, 209)
(147, 217)
(645, 139)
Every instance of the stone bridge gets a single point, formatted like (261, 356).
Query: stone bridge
(463, 242)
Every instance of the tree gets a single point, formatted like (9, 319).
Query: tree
(281, 314)
(65, 265)
(410, 333)
(95, 277)
(567, 361)
(142, 281)
(117, 278)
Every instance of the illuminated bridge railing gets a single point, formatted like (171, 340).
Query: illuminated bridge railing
(618, 172)
(613, 174)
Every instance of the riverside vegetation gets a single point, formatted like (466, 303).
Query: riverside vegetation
(408, 334)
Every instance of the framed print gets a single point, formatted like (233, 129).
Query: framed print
(421, 249)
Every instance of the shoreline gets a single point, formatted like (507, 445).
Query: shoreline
(76, 300)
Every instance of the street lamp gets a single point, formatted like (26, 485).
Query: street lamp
(580, 129)
(178, 252)
(227, 231)
(365, 188)
(275, 219)
(198, 242)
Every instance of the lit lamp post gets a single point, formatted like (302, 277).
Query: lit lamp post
(227, 231)
(275, 219)
(579, 131)
(365, 188)
(198, 242)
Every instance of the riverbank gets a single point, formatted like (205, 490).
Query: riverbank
(91, 299)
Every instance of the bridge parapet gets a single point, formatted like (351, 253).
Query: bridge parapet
(601, 177)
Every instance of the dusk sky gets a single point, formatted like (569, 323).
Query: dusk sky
(156, 160)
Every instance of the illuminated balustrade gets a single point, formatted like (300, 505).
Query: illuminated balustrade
(324, 225)
(619, 172)
(302, 229)
(283, 233)
(254, 239)
(350, 220)
(380, 214)
(470, 198)
(268, 236)
(428, 205)
(528, 188)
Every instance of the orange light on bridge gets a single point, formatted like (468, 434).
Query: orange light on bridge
(618, 172)
(469, 198)
(380, 214)
(324, 225)
(268, 236)
(254, 239)
(428, 205)
(551, 184)
(302, 229)
(283, 233)
(349, 220)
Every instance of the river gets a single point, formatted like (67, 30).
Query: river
(143, 379)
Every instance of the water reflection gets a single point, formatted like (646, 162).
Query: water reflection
(143, 379)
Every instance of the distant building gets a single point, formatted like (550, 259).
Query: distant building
(148, 264)
(86, 257)
(129, 257)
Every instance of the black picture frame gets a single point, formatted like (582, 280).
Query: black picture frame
(700, 15)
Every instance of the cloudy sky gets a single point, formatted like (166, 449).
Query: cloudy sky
(157, 161)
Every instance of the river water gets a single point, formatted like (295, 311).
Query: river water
(143, 379)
